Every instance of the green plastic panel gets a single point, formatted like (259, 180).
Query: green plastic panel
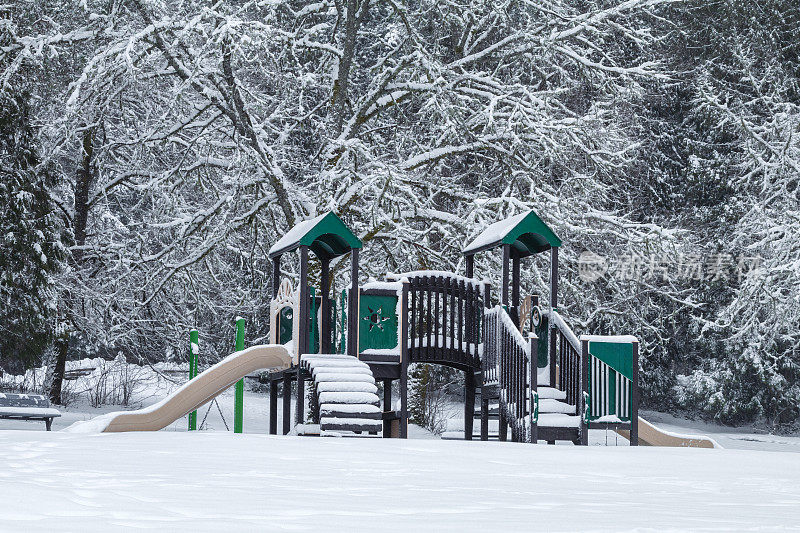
(377, 322)
(285, 317)
(617, 355)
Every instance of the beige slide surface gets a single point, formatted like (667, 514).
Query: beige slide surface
(650, 435)
(198, 391)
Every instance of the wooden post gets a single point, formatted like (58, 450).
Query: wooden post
(404, 361)
(469, 403)
(302, 342)
(325, 314)
(635, 396)
(515, 281)
(352, 306)
(554, 277)
(470, 266)
(305, 333)
(387, 407)
(273, 406)
(534, 385)
(287, 402)
(484, 415)
(276, 275)
(553, 307)
(506, 258)
(584, 391)
(487, 303)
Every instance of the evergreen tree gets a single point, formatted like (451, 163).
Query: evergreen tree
(31, 241)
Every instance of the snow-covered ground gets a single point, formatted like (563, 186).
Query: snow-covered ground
(207, 481)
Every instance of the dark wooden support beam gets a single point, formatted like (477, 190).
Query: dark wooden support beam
(305, 334)
(534, 380)
(515, 281)
(635, 397)
(387, 406)
(484, 415)
(469, 403)
(503, 427)
(584, 439)
(303, 341)
(276, 275)
(470, 266)
(506, 259)
(287, 403)
(325, 313)
(273, 406)
(404, 355)
(554, 277)
(553, 306)
(352, 306)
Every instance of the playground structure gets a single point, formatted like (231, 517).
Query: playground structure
(531, 372)
(525, 365)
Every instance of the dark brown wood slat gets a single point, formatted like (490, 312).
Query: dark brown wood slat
(413, 329)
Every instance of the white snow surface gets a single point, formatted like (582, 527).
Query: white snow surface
(31, 411)
(208, 481)
(494, 232)
(616, 339)
(296, 233)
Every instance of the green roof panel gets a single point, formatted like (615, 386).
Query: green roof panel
(525, 232)
(326, 235)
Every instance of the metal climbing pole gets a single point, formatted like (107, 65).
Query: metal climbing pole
(238, 405)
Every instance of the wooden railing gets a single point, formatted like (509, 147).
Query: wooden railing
(567, 358)
(446, 315)
(510, 360)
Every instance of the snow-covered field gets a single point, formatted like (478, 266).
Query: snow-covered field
(209, 481)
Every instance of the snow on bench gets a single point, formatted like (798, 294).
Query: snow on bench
(27, 407)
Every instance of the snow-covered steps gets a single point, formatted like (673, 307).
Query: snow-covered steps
(551, 393)
(557, 420)
(548, 405)
(346, 393)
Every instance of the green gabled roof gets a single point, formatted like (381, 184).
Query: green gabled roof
(525, 232)
(326, 236)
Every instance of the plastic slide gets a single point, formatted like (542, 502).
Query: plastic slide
(193, 394)
(649, 435)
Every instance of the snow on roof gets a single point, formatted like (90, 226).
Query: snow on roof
(295, 234)
(392, 276)
(616, 339)
(495, 232)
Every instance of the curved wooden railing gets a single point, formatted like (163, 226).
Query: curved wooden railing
(568, 359)
(445, 318)
(509, 360)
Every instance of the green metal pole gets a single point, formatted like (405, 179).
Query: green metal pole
(194, 351)
(238, 406)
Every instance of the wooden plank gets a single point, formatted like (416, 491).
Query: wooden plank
(273, 406)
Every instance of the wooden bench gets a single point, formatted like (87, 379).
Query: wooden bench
(27, 407)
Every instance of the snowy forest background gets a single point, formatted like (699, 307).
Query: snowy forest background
(152, 151)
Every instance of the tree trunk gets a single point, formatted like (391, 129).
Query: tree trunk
(83, 182)
(342, 83)
(61, 345)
